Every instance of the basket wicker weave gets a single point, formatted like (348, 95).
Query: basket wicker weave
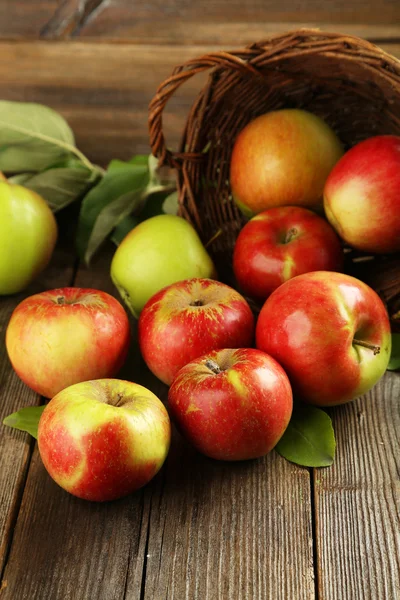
(349, 82)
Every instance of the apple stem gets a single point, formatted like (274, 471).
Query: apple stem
(290, 235)
(60, 300)
(375, 349)
(212, 365)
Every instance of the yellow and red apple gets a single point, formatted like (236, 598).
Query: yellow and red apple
(232, 404)
(282, 158)
(331, 334)
(188, 319)
(63, 336)
(101, 440)
(280, 243)
(362, 195)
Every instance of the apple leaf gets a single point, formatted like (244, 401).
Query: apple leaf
(121, 191)
(60, 185)
(129, 193)
(394, 363)
(26, 419)
(309, 439)
(123, 228)
(32, 137)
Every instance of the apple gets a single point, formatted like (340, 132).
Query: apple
(188, 319)
(67, 335)
(232, 404)
(280, 243)
(331, 334)
(28, 234)
(103, 439)
(362, 195)
(282, 158)
(156, 253)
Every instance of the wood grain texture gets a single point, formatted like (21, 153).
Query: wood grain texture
(205, 22)
(25, 18)
(16, 446)
(357, 500)
(104, 89)
(200, 530)
(224, 530)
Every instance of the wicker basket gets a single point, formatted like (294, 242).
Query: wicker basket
(349, 82)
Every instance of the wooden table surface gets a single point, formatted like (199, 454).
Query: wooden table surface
(201, 530)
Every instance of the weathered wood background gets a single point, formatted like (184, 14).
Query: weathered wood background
(201, 530)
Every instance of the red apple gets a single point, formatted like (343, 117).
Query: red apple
(101, 440)
(232, 404)
(188, 319)
(331, 334)
(362, 195)
(279, 244)
(282, 158)
(67, 335)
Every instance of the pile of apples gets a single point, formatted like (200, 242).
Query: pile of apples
(321, 336)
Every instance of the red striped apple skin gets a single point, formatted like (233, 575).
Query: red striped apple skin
(279, 244)
(189, 318)
(237, 413)
(63, 336)
(101, 440)
(310, 324)
(362, 195)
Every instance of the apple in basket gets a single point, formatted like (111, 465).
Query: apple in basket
(280, 243)
(362, 195)
(282, 158)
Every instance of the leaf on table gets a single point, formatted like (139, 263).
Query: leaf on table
(309, 439)
(394, 363)
(121, 191)
(62, 184)
(26, 419)
(32, 137)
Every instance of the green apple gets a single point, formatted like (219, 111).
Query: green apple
(157, 253)
(28, 234)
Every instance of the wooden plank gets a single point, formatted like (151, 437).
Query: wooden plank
(103, 89)
(224, 530)
(357, 500)
(199, 530)
(25, 18)
(15, 446)
(205, 22)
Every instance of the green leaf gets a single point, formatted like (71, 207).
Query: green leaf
(32, 137)
(123, 228)
(20, 179)
(121, 191)
(394, 363)
(309, 439)
(26, 419)
(61, 185)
